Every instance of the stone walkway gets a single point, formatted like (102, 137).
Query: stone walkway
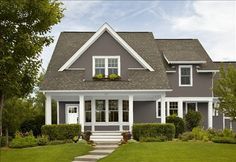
(101, 150)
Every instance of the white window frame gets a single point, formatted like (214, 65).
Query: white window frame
(106, 63)
(186, 106)
(158, 103)
(169, 107)
(191, 75)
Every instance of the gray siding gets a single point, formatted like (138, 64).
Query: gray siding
(145, 112)
(203, 109)
(227, 124)
(106, 45)
(107, 128)
(202, 84)
(218, 122)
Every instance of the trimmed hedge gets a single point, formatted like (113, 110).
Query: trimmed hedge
(229, 140)
(153, 130)
(62, 131)
(178, 122)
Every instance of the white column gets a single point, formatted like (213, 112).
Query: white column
(120, 115)
(163, 112)
(81, 112)
(93, 120)
(58, 112)
(210, 118)
(48, 110)
(180, 109)
(131, 112)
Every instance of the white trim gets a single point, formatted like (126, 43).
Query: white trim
(110, 90)
(210, 115)
(163, 109)
(81, 112)
(191, 75)
(170, 71)
(106, 63)
(57, 112)
(158, 116)
(136, 69)
(48, 110)
(101, 30)
(75, 69)
(131, 112)
(207, 71)
(184, 62)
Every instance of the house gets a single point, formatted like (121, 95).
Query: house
(158, 78)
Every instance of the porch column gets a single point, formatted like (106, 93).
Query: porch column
(131, 113)
(120, 114)
(48, 110)
(81, 112)
(210, 118)
(180, 109)
(163, 112)
(57, 112)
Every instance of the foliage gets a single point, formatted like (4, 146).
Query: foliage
(178, 122)
(200, 134)
(3, 140)
(153, 130)
(34, 124)
(99, 77)
(186, 136)
(75, 139)
(86, 135)
(62, 131)
(192, 119)
(126, 136)
(114, 77)
(22, 140)
(225, 89)
(153, 139)
(42, 140)
(229, 140)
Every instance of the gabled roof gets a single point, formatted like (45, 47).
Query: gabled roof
(106, 28)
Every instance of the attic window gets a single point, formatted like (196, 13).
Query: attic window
(185, 75)
(106, 65)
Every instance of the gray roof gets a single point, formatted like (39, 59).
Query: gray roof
(69, 42)
(185, 50)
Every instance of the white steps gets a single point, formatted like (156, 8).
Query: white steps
(106, 136)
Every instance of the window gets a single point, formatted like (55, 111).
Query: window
(158, 109)
(215, 109)
(87, 111)
(113, 110)
(173, 108)
(125, 110)
(185, 75)
(72, 109)
(106, 65)
(100, 110)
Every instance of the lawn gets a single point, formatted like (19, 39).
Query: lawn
(50, 153)
(173, 152)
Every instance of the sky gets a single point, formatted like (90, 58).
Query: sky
(212, 22)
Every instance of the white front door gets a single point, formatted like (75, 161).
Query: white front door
(72, 114)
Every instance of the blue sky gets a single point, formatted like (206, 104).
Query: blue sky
(212, 22)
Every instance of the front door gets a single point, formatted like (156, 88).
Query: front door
(72, 114)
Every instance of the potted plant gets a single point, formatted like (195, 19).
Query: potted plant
(86, 135)
(75, 139)
(99, 77)
(114, 77)
(126, 136)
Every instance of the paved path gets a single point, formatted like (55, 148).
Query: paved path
(101, 150)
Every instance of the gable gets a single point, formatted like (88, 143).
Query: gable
(106, 28)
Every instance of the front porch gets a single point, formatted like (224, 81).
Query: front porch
(105, 111)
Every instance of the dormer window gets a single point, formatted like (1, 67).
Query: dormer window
(106, 65)
(185, 75)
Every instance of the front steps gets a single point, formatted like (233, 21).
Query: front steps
(106, 136)
(101, 150)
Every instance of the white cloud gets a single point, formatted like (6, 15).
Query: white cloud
(215, 24)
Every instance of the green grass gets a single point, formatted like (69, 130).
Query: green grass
(50, 153)
(173, 152)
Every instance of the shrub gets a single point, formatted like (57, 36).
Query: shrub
(186, 136)
(23, 141)
(126, 136)
(192, 119)
(153, 139)
(114, 77)
(228, 133)
(200, 134)
(43, 140)
(62, 131)
(178, 122)
(153, 130)
(86, 135)
(229, 140)
(34, 124)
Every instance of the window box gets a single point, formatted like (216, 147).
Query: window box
(111, 77)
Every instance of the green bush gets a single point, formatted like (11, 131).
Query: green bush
(229, 140)
(153, 139)
(62, 131)
(153, 130)
(34, 124)
(178, 122)
(23, 141)
(43, 140)
(186, 136)
(228, 133)
(200, 134)
(192, 120)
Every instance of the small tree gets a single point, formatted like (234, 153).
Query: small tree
(178, 122)
(225, 89)
(192, 120)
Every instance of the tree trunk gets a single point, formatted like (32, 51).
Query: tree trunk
(1, 108)
(7, 137)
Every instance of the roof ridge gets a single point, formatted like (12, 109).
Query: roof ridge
(177, 39)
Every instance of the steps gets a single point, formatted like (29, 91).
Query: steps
(101, 150)
(106, 136)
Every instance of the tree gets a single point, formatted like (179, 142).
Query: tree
(225, 89)
(24, 25)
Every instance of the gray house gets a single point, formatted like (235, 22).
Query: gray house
(158, 78)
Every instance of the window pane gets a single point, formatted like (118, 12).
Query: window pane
(87, 105)
(185, 71)
(88, 116)
(99, 62)
(112, 62)
(125, 108)
(185, 80)
(113, 110)
(113, 116)
(125, 116)
(112, 71)
(173, 108)
(100, 110)
(100, 104)
(100, 71)
(125, 105)
(113, 104)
